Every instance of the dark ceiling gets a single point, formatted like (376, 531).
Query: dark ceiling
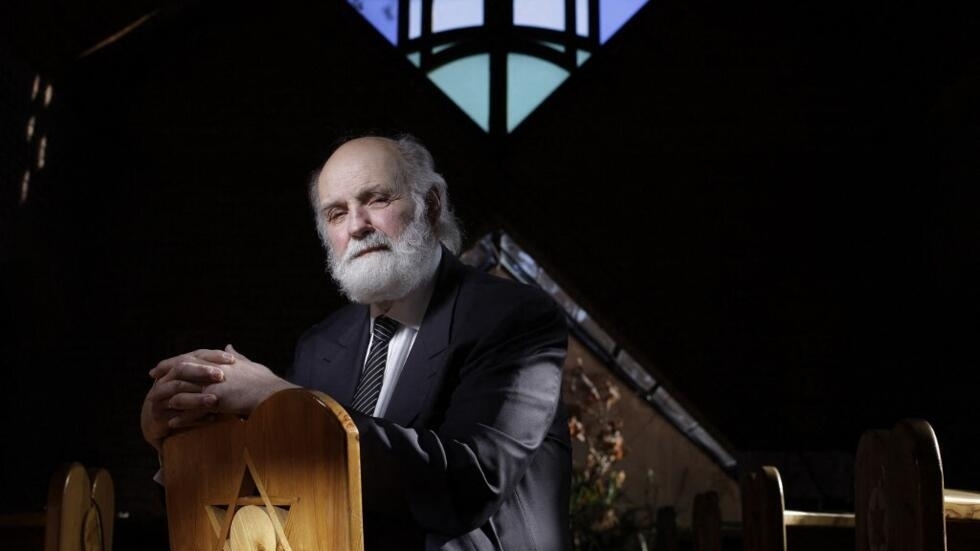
(773, 205)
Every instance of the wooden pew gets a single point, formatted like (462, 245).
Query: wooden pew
(79, 515)
(768, 526)
(901, 502)
(288, 478)
(667, 537)
(706, 522)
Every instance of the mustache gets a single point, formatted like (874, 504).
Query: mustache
(370, 241)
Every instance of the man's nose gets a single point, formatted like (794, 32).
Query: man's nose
(358, 223)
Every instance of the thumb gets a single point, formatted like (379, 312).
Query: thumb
(231, 350)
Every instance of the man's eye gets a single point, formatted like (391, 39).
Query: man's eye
(380, 201)
(335, 216)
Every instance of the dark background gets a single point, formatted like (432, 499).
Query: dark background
(772, 205)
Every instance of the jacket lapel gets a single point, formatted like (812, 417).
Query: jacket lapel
(428, 356)
(343, 357)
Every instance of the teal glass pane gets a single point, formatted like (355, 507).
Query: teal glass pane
(581, 56)
(415, 58)
(529, 81)
(547, 14)
(552, 45)
(467, 82)
(456, 14)
(441, 47)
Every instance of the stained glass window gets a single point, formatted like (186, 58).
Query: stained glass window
(497, 60)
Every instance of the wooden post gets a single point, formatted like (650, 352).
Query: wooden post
(706, 523)
(666, 529)
(901, 500)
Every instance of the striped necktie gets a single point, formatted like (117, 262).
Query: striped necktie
(369, 387)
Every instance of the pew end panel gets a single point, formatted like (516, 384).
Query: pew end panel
(901, 501)
(768, 526)
(289, 474)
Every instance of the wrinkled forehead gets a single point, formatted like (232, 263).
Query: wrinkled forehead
(360, 164)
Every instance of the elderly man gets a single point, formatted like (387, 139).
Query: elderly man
(452, 376)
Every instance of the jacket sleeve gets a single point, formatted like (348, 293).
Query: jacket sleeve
(503, 392)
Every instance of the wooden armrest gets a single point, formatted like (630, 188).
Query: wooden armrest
(961, 504)
(826, 520)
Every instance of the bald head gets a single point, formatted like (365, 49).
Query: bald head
(368, 158)
(401, 166)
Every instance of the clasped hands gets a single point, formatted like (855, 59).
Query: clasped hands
(189, 389)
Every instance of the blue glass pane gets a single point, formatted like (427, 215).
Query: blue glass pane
(414, 18)
(547, 14)
(613, 14)
(383, 14)
(456, 14)
(467, 82)
(582, 17)
(529, 82)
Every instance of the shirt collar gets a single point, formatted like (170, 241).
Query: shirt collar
(410, 309)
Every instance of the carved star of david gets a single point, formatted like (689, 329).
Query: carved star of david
(221, 512)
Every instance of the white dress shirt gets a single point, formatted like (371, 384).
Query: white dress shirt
(408, 312)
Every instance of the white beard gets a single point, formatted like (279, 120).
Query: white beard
(388, 274)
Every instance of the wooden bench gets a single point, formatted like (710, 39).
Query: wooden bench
(667, 536)
(706, 522)
(768, 526)
(901, 502)
(288, 478)
(79, 516)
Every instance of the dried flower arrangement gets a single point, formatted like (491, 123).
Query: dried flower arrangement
(599, 517)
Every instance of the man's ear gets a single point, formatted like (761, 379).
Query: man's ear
(433, 206)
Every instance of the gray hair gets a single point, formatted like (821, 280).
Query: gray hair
(417, 170)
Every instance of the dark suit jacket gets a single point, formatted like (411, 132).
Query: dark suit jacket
(473, 451)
